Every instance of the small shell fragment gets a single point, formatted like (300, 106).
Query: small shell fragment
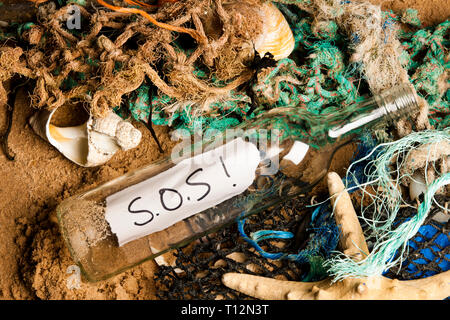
(442, 216)
(417, 185)
(277, 37)
(90, 144)
(127, 137)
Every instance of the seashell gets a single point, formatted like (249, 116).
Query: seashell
(90, 144)
(417, 185)
(442, 217)
(276, 37)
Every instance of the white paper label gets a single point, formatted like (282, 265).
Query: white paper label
(297, 152)
(191, 186)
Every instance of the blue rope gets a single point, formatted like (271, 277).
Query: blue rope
(325, 233)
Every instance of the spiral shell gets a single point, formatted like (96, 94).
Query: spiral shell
(90, 144)
(277, 37)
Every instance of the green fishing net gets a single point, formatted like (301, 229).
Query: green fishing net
(319, 86)
(427, 60)
(317, 77)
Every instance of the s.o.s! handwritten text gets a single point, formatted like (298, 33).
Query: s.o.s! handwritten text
(191, 186)
(175, 194)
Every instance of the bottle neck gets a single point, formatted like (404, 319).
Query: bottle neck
(388, 106)
(318, 130)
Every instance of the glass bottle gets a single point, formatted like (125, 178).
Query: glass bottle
(171, 202)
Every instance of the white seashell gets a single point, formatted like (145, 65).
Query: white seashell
(90, 144)
(417, 185)
(127, 137)
(277, 37)
(441, 217)
(106, 125)
(166, 259)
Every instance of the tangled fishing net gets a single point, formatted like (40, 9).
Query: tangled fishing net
(198, 270)
(192, 65)
(421, 251)
(113, 53)
(176, 67)
(394, 166)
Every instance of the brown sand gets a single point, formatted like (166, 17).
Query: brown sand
(34, 259)
(431, 12)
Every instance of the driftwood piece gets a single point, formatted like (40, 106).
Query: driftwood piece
(436, 287)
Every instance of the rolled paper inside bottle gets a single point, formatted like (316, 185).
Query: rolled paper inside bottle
(192, 186)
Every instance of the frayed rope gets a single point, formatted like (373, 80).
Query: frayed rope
(386, 205)
(381, 258)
